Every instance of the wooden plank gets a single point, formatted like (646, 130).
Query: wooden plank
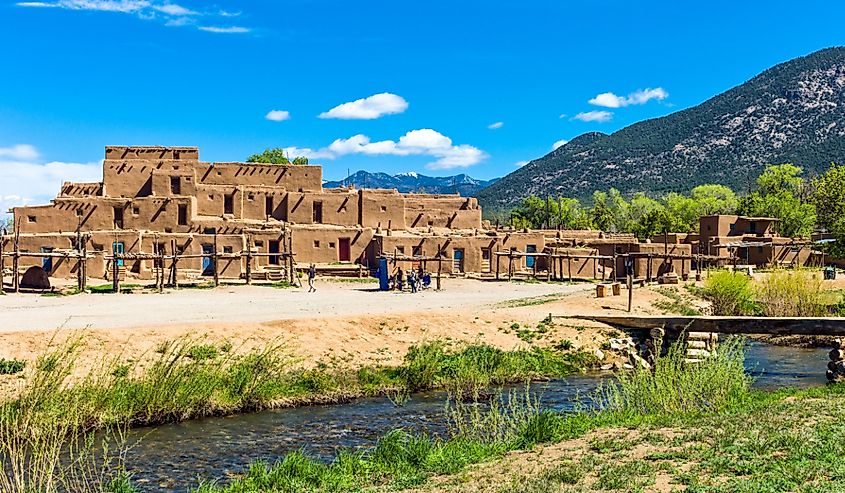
(814, 326)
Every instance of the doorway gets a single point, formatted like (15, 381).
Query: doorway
(458, 260)
(529, 261)
(343, 249)
(207, 262)
(47, 262)
(118, 247)
(273, 247)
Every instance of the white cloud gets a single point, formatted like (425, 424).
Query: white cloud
(368, 108)
(559, 143)
(562, 115)
(594, 116)
(277, 115)
(520, 164)
(20, 151)
(421, 142)
(225, 30)
(25, 181)
(494, 126)
(171, 14)
(641, 96)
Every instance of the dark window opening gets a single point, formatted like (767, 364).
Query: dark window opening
(136, 210)
(417, 251)
(268, 205)
(752, 226)
(273, 246)
(318, 212)
(316, 243)
(175, 185)
(227, 249)
(118, 217)
(31, 219)
(79, 212)
(400, 249)
(208, 231)
(228, 204)
(183, 215)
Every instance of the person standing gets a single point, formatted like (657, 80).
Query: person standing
(312, 273)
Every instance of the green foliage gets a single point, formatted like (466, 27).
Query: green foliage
(729, 293)
(794, 293)
(715, 384)
(535, 213)
(11, 366)
(829, 198)
(276, 156)
(203, 352)
(779, 196)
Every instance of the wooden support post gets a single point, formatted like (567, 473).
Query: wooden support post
(648, 269)
(85, 261)
(161, 269)
(249, 259)
(2, 262)
(569, 266)
(291, 258)
(630, 282)
(79, 283)
(173, 270)
(16, 281)
(214, 259)
(440, 263)
(510, 266)
(115, 281)
(498, 259)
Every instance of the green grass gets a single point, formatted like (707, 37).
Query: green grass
(677, 303)
(11, 366)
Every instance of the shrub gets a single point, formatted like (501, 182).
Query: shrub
(715, 384)
(11, 366)
(729, 293)
(203, 352)
(793, 293)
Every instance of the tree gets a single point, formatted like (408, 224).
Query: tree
(531, 213)
(714, 199)
(7, 223)
(778, 196)
(276, 156)
(829, 198)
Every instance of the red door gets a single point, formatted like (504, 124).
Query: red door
(343, 249)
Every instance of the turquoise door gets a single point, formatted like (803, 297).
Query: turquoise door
(207, 262)
(117, 247)
(47, 262)
(529, 261)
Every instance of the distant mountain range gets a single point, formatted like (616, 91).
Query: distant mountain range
(413, 182)
(793, 112)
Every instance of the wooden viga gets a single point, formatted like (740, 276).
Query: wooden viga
(696, 345)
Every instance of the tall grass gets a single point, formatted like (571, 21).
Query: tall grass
(729, 293)
(715, 384)
(791, 293)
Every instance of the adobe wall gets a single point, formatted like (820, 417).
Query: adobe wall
(321, 244)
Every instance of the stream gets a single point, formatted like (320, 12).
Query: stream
(174, 457)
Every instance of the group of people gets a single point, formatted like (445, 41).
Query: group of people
(416, 280)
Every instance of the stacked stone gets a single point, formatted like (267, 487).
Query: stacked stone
(836, 365)
(654, 344)
(700, 345)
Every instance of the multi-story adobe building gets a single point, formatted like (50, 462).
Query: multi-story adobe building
(158, 199)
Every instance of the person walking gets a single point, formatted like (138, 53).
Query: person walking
(312, 273)
(412, 280)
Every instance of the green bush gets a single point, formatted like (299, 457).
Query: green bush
(729, 293)
(11, 366)
(203, 352)
(791, 293)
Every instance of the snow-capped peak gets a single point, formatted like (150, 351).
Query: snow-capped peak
(412, 174)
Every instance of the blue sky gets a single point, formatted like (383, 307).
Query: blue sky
(475, 87)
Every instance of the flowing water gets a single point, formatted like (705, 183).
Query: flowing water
(173, 457)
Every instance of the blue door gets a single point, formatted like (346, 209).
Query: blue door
(207, 262)
(529, 261)
(117, 247)
(458, 260)
(47, 262)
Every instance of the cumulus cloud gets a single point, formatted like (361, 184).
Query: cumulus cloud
(559, 143)
(277, 115)
(641, 96)
(494, 126)
(369, 108)
(421, 142)
(25, 180)
(171, 14)
(594, 116)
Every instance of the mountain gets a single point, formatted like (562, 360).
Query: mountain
(413, 182)
(793, 112)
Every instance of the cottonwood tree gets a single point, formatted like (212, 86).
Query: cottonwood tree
(779, 196)
(829, 198)
(275, 156)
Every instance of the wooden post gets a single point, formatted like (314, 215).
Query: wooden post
(569, 266)
(161, 269)
(498, 258)
(648, 269)
(248, 259)
(115, 281)
(440, 264)
(16, 282)
(549, 268)
(79, 286)
(510, 265)
(290, 258)
(85, 261)
(2, 262)
(214, 259)
(630, 281)
(173, 264)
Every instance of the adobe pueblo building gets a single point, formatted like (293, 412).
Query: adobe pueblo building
(163, 200)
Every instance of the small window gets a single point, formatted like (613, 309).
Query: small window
(384, 208)
(168, 230)
(227, 249)
(268, 205)
(211, 196)
(331, 244)
(118, 217)
(32, 219)
(400, 249)
(208, 231)
(183, 215)
(316, 243)
(136, 210)
(259, 243)
(79, 212)
(250, 196)
(228, 204)
(317, 212)
(417, 251)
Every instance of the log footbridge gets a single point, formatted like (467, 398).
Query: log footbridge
(700, 333)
